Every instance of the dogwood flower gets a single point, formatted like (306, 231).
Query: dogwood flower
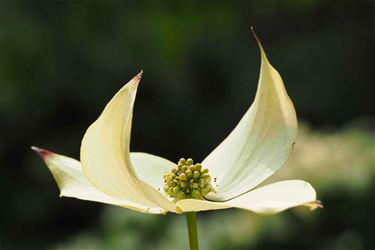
(258, 146)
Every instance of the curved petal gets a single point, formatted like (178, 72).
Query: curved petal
(277, 197)
(261, 142)
(269, 199)
(72, 183)
(105, 153)
(195, 205)
(150, 168)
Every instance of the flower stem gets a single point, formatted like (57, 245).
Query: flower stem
(191, 221)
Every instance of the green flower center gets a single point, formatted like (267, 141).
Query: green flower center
(188, 180)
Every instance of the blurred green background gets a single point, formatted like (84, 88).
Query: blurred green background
(61, 61)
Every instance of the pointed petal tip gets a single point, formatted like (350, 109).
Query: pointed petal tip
(42, 152)
(314, 205)
(137, 78)
(255, 35)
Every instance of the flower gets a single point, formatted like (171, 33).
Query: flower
(258, 146)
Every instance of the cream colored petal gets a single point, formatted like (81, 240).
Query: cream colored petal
(269, 199)
(277, 197)
(151, 169)
(194, 205)
(105, 153)
(72, 183)
(261, 142)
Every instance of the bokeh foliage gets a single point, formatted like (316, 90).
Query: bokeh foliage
(61, 61)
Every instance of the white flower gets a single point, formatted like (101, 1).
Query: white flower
(258, 146)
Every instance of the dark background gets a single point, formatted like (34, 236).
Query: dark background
(61, 62)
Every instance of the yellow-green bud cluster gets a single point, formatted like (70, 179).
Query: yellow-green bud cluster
(187, 180)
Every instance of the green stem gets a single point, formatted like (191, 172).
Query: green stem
(191, 221)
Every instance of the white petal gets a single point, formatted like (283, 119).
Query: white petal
(195, 205)
(277, 197)
(72, 183)
(151, 169)
(260, 144)
(269, 199)
(105, 153)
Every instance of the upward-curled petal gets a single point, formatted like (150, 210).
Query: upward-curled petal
(260, 143)
(105, 155)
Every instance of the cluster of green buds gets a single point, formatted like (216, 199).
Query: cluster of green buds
(187, 180)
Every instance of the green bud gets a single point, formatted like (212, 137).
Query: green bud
(176, 189)
(189, 162)
(196, 175)
(188, 173)
(183, 177)
(187, 180)
(195, 194)
(192, 168)
(198, 167)
(180, 195)
(182, 161)
(205, 176)
(205, 191)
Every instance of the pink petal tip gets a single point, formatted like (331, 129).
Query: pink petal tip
(42, 152)
(255, 35)
(139, 76)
